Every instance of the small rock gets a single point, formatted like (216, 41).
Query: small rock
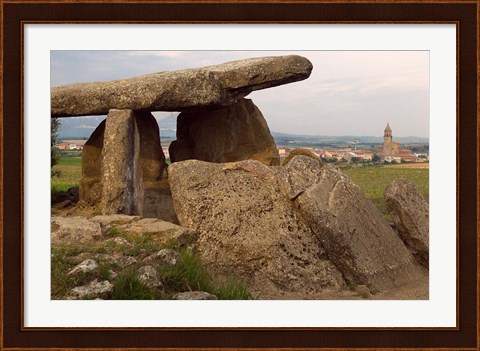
(115, 219)
(86, 266)
(119, 241)
(62, 204)
(148, 275)
(112, 275)
(116, 258)
(74, 229)
(126, 261)
(94, 289)
(74, 193)
(194, 295)
(182, 235)
(166, 256)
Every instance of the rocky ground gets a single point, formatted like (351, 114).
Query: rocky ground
(129, 257)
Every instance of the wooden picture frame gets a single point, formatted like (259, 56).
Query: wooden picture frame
(465, 14)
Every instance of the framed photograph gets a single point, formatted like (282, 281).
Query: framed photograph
(406, 69)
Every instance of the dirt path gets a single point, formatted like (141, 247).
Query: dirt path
(415, 290)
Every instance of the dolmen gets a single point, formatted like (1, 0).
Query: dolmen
(300, 227)
(123, 166)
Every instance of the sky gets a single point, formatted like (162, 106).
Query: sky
(348, 92)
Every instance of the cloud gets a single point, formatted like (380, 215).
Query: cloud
(85, 126)
(348, 92)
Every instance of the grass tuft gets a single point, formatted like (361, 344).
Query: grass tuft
(127, 286)
(191, 274)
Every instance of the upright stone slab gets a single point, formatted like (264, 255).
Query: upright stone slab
(121, 167)
(235, 133)
(157, 195)
(352, 231)
(91, 182)
(152, 159)
(409, 211)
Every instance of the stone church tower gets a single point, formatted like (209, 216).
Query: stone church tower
(390, 148)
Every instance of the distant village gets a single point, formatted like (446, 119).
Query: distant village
(390, 152)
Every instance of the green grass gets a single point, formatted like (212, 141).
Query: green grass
(191, 274)
(127, 286)
(374, 180)
(70, 173)
(140, 243)
(188, 274)
(70, 161)
(62, 283)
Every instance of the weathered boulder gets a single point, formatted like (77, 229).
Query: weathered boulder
(234, 133)
(212, 87)
(67, 230)
(91, 182)
(248, 227)
(352, 231)
(301, 151)
(409, 211)
(122, 184)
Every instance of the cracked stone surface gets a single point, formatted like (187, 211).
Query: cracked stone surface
(249, 227)
(356, 238)
(409, 211)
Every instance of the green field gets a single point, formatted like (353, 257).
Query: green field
(373, 180)
(70, 169)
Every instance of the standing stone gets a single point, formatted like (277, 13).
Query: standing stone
(91, 182)
(157, 196)
(409, 211)
(152, 159)
(158, 201)
(122, 172)
(352, 231)
(234, 133)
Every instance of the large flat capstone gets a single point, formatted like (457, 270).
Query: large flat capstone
(205, 87)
